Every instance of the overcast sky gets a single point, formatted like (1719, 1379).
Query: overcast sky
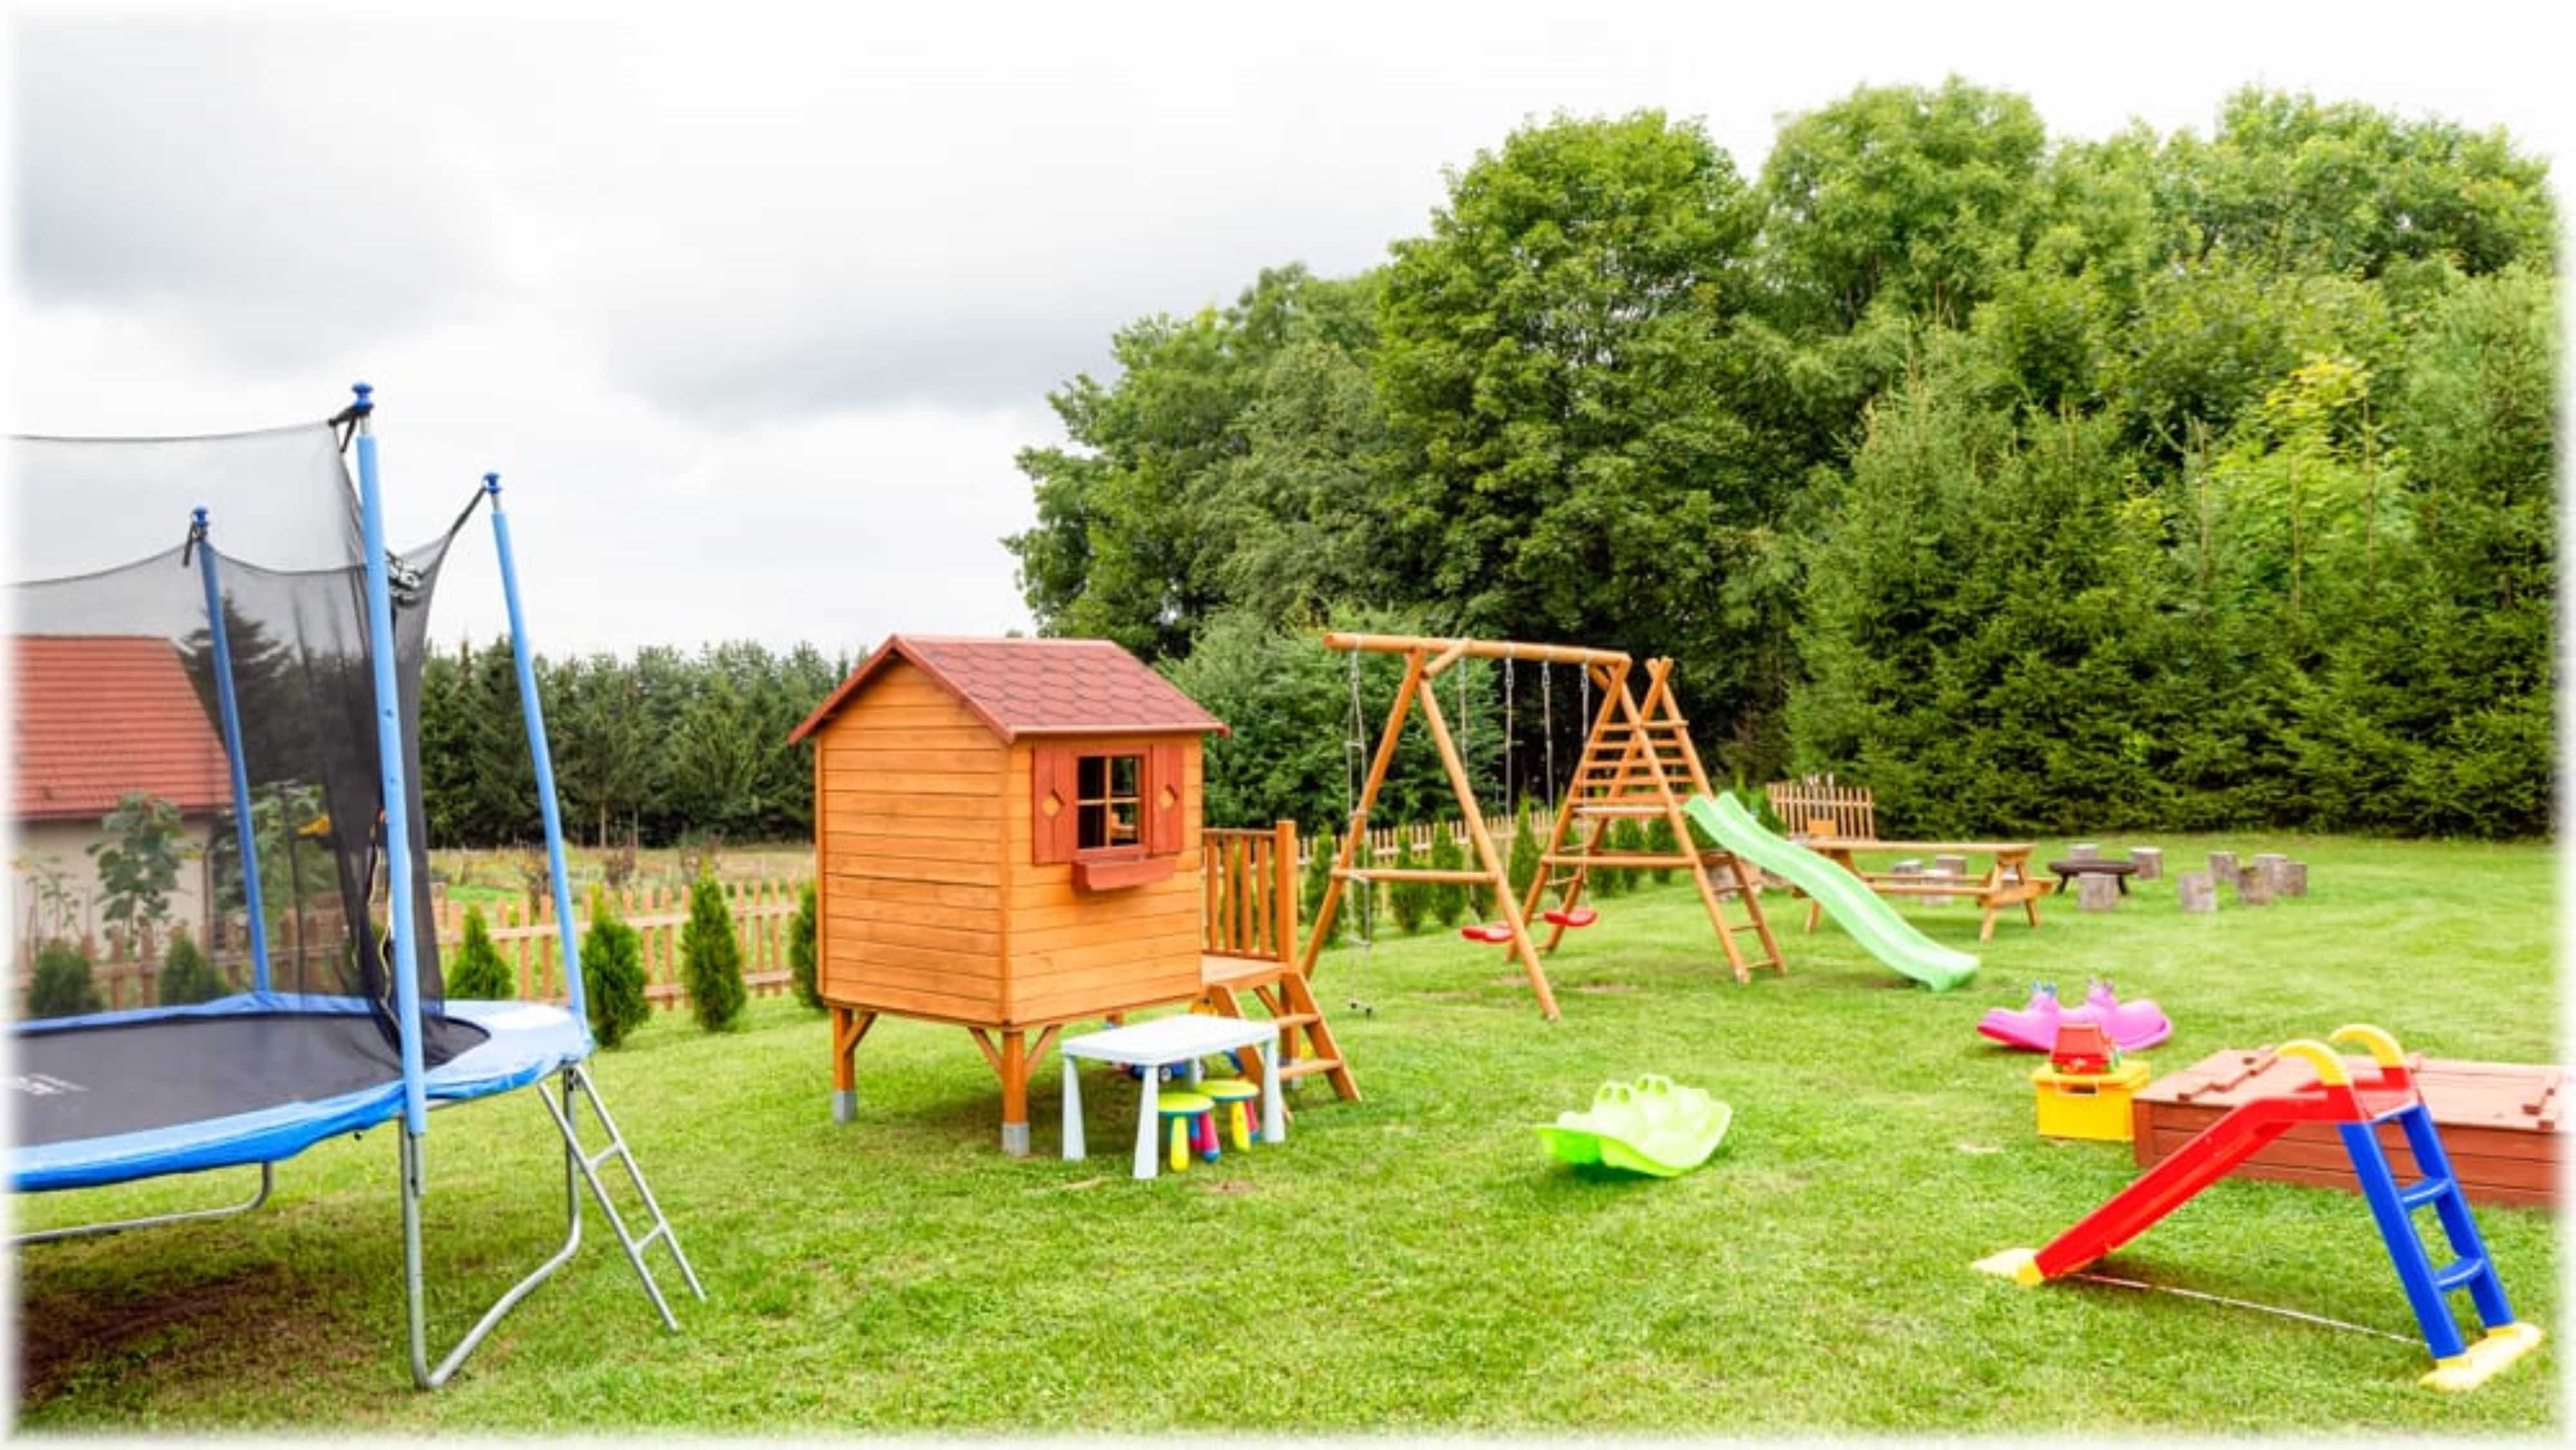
(753, 309)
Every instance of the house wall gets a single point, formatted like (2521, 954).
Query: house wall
(1078, 954)
(911, 870)
(65, 845)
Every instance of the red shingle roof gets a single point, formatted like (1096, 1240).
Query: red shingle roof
(1036, 687)
(101, 715)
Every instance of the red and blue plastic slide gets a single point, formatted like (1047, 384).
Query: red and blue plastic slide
(2357, 1109)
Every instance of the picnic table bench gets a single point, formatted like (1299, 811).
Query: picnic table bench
(2007, 882)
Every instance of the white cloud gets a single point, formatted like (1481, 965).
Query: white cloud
(752, 308)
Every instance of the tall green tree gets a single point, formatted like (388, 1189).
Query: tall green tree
(2343, 188)
(1914, 198)
(1562, 364)
(1230, 457)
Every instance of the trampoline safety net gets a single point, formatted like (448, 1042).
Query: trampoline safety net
(126, 786)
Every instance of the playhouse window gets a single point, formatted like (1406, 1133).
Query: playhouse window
(1108, 802)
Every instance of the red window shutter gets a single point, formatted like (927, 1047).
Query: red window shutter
(1166, 794)
(1052, 829)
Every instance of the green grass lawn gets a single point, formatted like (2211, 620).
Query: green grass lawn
(1414, 1261)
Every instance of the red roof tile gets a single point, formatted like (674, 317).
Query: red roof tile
(1036, 686)
(101, 715)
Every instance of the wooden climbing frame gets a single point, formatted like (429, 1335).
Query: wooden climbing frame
(1630, 755)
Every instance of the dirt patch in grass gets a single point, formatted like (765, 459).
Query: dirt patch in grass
(73, 1339)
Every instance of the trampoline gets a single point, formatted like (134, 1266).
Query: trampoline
(249, 1079)
(271, 690)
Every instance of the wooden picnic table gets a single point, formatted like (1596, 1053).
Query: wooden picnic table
(2007, 882)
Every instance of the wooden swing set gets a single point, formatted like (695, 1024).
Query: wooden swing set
(1637, 763)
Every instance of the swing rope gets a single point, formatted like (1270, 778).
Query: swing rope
(1547, 725)
(1355, 750)
(1584, 673)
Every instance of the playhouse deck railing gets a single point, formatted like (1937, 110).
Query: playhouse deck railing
(1249, 878)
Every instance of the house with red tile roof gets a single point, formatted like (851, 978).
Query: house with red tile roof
(1007, 837)
(93, 718)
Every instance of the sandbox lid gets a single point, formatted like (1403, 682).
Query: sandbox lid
(2512, 1096)
(2503, 1123)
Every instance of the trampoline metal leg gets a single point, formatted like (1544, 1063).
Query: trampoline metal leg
(267, 1185)
(422, 1373)
(578, 1167)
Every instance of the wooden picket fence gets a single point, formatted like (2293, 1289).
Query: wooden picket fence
(1386, 841)
(1808, 801)
(762, 911)
(533, 947)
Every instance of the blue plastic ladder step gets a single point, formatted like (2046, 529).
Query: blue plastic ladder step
(2425, 1192)
(2466, 1271)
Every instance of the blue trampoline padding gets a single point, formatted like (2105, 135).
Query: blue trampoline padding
(525, 1041)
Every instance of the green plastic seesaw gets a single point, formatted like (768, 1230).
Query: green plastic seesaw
(1651, 1126)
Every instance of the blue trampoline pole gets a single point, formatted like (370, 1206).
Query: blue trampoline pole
(389, 754)
(243, 833)
(535, 711)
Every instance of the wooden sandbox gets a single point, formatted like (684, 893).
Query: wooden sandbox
(2502, 1123)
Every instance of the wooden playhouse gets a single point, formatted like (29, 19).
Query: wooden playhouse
(1007, 838)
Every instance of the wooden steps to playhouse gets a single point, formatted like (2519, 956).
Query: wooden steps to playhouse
(2503, 1124)
(1306, 1045)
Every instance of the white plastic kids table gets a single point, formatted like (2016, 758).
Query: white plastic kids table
(1169, 1042)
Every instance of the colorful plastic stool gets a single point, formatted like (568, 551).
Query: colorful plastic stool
(1193, 1125)
(1234, 1099)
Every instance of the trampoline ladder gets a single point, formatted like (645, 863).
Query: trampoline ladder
(634, 1243)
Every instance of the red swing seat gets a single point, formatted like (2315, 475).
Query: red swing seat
(1580, 916)
(1491, 933)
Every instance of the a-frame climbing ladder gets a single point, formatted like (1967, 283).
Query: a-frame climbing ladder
(1639, 764)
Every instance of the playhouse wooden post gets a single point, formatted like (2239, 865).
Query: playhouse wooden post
(1015, 1093)
(848, 1026)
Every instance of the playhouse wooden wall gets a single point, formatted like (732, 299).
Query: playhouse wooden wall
(1078, 953)
(911, 871)
(931, 904)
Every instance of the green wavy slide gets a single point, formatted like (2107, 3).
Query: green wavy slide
(1845, 897)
